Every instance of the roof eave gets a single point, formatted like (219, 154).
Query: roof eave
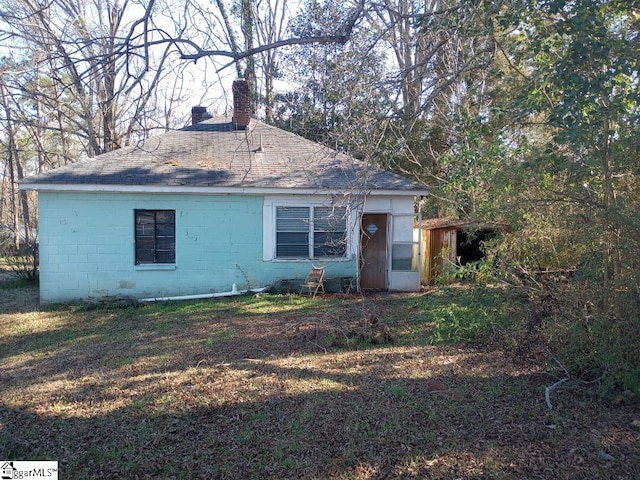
(168, 189)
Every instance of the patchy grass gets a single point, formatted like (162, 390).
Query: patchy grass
(271, 387)
(461, 314)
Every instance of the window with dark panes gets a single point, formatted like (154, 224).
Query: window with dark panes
(310, 232)
(155, 236)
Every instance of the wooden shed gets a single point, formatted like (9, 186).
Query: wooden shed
(458, 241)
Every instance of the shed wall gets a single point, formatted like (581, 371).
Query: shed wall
(437, 243)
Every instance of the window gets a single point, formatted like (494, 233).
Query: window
(155, 236)
(329, 232)
(404, 248)
(311, 232)
(404, 257)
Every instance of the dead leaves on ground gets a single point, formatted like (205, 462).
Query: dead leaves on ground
(268, 396)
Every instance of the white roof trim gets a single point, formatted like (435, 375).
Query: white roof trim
(93, 188)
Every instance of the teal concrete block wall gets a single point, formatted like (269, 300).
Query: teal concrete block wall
(87, 246)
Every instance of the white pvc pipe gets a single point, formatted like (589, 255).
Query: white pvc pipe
(203, 295)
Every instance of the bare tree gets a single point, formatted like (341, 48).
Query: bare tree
(17, 199)
(110, 56)
(433, 51)
(249, 35)
(87, 49)
(271, 25)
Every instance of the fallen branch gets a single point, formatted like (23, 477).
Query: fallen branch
(551, 388)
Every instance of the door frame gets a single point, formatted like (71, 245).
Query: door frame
(361, 249)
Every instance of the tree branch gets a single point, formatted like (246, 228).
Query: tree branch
(342, 38)
(248, 53)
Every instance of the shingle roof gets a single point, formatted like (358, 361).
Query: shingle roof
(212, 154)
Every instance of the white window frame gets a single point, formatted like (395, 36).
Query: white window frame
(269, 243)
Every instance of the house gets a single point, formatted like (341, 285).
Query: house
(6, 470)
(224, 201)
(457, 241)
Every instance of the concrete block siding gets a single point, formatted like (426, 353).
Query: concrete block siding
(88, 246)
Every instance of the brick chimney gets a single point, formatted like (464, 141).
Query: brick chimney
(241, 104)
(199, 114)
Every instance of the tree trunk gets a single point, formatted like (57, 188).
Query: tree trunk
(15, 173)
(611, 254)
(247, 29)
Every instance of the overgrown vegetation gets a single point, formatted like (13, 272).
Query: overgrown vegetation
(20, 262)
(283, 386)
(535, 126)
(586, 337)
(586, 333)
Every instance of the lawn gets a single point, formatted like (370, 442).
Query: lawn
(273, 387)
